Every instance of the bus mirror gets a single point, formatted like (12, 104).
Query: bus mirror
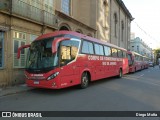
(55, 43)
(20, 48)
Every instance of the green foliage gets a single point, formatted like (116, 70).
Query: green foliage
(157, 51)
(157, 55)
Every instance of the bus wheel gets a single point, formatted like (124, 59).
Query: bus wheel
(120, 73)
(84, 80)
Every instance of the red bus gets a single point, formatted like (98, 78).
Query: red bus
(66, 58)
(136, 61)
(145, 62)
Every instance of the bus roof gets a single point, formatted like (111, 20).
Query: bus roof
(56, 33)
(132, 52)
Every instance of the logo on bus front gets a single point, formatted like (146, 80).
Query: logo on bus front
(37, 75)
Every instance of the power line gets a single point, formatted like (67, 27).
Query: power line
(147, 34)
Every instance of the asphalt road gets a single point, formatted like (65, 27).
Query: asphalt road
(134, 92)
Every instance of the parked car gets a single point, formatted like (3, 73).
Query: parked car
(151, 64)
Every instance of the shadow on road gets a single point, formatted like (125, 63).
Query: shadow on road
(72, 88)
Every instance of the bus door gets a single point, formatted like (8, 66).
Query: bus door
(69, 69)
(114, 64)
(125, 63)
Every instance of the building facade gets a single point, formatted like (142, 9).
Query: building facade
(21, 21)
(120, 24)
(113, 22)
(139, 46)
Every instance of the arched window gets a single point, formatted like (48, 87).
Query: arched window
(79, 31)
(115, 24)
(64, 26)
(89, 34)
(122, 30)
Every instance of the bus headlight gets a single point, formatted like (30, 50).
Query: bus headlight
(53, 76)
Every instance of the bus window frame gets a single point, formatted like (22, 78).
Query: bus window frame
(110, 51)
(82, 42)
(99, 51)
(121, 53)
(78, 52)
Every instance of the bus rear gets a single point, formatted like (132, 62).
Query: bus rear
(135, 61)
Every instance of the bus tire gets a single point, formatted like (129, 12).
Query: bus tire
(120, 73)
(84, 80)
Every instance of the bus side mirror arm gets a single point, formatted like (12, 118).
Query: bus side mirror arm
(55, 43)
(20, 48)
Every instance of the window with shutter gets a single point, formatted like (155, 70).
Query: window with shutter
(19, 39)
(1, 49)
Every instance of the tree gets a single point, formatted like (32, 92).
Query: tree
(157, 54)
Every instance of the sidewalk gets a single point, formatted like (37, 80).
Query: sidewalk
(14, 90)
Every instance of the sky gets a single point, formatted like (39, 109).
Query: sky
(146, 24)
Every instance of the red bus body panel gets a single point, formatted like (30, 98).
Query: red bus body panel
(125, 66)
(70, 74)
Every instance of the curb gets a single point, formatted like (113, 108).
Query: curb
(14, 90)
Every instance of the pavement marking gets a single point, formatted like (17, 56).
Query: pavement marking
(151, 82)
(148, 81)
(131, 77)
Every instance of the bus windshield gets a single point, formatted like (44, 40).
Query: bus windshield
(40, 55)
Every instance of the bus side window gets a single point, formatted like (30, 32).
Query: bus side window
(120, 54)
(114, 52)
(124, 55)
(107, 51)
(68, 51)
(136, 57)
(87, 47)
(98, 49)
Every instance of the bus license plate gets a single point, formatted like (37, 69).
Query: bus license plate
(36, 82)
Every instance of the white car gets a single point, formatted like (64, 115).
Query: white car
(151, 64)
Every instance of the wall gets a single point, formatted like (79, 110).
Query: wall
(9, 75)
(91, 17)
(4, 76)
(102, 21)
(121, 15)
(81, 16)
